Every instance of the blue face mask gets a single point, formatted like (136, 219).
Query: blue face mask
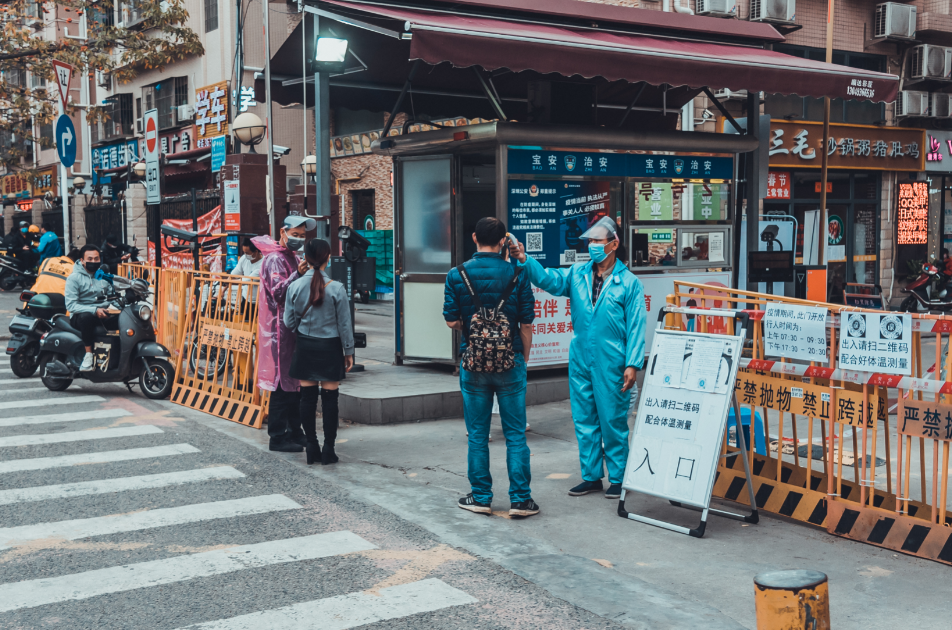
(597, 252)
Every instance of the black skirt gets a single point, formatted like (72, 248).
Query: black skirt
(318, 359)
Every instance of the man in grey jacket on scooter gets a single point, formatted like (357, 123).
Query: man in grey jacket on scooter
(84, 302)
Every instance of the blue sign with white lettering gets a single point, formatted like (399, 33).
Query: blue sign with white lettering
(119, 155)
(540, 162)
(218, 153)
(66, 141)
(528, 162)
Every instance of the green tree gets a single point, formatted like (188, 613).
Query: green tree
(156, 38)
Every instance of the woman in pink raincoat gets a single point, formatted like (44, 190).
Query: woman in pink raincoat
(279, 268)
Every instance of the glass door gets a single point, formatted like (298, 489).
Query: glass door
(424, 255)
(865, 269)
(836, 275)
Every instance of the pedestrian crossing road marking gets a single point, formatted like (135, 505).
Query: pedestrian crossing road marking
(70, 399)
(78, 586)
(146, 519)
(99, 414)
(78, 436)
(6, 390)
(352, 610)
(106, 486)
(104, 457)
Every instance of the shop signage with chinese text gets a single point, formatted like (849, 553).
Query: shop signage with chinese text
(115, 155)
(912, 214)
(45, 181)
(211, 113)
(532, 162)
(855, 147)
(177, 140)
(17, 184)
(778, 185)
(938, 151)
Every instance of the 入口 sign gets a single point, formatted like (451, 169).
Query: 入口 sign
(861, 147)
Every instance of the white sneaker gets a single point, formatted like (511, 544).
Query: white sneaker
(89, 363)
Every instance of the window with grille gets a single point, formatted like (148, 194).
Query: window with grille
(211, 15)
(166, 97)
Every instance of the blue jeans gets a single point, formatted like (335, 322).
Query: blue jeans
(510, 389)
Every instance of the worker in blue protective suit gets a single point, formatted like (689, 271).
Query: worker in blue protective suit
(609, 318)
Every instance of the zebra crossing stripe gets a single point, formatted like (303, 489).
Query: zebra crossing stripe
(105, 486)
(351, 610)
(45, 402)
(6, 391)
(78, 436)
(78, 586)
(104, 457)
(147, 519)
(100, 414)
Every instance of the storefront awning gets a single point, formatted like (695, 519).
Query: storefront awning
(492, 44)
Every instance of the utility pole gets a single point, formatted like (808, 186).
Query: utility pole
(824, 227)
(269, 127)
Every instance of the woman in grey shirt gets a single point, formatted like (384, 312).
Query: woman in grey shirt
(317, 309)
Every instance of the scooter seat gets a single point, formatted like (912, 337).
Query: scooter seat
(61, 322)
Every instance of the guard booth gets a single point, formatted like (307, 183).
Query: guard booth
(670, 193)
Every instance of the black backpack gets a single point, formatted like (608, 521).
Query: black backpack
(489, 344)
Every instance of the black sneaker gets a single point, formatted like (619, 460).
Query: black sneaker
(299, 438)
(471, 504)
(586, 487)
(285, 445)
(522, 509)
(614, 491)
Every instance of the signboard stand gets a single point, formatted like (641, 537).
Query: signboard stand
(675, 443)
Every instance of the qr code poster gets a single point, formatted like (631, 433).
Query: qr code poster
(876, 342)
(534, 242)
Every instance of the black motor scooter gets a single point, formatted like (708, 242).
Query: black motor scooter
(28, 327)
(12, 274)
(124, 356)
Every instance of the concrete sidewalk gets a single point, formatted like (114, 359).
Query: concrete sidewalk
(385, 393)
(714, 573)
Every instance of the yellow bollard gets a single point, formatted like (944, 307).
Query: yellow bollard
(792, 600)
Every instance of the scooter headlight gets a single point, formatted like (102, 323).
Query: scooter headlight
(145, 313)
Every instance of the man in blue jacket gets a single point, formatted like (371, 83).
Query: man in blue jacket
(609, 319)
(490, 273)
(49, 246)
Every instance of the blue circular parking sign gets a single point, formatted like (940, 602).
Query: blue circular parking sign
(66, 140)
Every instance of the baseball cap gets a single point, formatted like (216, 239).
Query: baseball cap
(294, 220)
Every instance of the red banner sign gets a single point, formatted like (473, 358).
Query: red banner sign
(178, 255)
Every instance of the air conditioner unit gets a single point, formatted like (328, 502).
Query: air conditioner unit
(103, 79)
(778, 11)
(895, 21)
(940, 105)
(912, 103)
(717, 8)
(184, 113)
(139, 126)
(930, 62)
(726, 95)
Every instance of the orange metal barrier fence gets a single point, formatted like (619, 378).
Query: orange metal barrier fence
(805, 480)
(209, 321)
(217, 350)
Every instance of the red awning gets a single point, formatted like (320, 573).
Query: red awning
(518, 46)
